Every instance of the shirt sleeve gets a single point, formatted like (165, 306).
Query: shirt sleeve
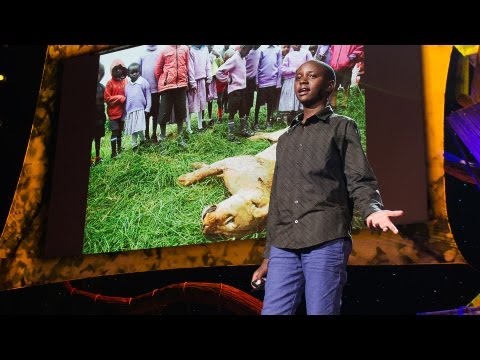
(361, 181)
(223, 71)
(148, 95)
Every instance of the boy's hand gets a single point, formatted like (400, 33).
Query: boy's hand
(261, 272)
(381, 220)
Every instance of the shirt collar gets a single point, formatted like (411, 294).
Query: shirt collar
(323, 115)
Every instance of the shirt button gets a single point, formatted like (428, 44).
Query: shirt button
(296, 221)
(296, 201)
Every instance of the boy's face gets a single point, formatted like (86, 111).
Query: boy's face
(285, 50)
(134, 73)
(118, 73)
(245, 50)
(296, 47)
(311, 86)
(210, 48)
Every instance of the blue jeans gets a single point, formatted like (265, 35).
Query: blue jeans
(320, 271)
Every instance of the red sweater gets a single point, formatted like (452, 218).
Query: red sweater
(345, 56)
(172, 68)
(115, 98)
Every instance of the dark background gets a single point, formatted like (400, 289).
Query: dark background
(370, 289)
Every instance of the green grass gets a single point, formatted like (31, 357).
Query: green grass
(134, 201)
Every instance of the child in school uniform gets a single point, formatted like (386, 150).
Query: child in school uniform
(115, 99)
(202, 69)
(268, 80)
(234, 72)
(147, 63)
(100, 118)
(137, 105)
(293, 60)
(174, 77)
(212, 87)
(252, 69)
(343, 59)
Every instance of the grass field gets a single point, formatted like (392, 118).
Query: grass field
(134, 201)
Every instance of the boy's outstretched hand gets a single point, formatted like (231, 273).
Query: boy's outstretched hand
(381, 220)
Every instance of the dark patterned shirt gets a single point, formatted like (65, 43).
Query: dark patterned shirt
(321, 173)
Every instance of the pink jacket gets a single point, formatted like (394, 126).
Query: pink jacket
(172, 70)
(345, 56)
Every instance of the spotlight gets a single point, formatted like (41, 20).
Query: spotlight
(3, 78)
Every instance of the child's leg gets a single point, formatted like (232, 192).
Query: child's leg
(165, 111)
(231, 126)
(258, 103)
(114, 136)
(134, 140)
(189, 128)
(180, 104)
(231, 115)
(225, 100)
(271, 100)
(147, 126)
(154, 112)
(119, 137)
(199, 120)
(243, 111)
(210, 108)
(270, 106)
(97, 145)
(220, 107)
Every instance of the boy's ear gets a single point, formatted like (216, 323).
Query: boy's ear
(331, 86)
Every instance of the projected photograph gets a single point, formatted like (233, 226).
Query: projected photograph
(183, 150)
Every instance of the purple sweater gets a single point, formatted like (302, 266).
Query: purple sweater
(147, 65)
(138, 95)
(200, 63)
(292, 61)
(252, 63)
(270, 60)
(234, 72)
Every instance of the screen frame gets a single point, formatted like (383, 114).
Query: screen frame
(26, 263)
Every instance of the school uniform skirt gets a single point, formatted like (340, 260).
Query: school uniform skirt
(197, 101)
(288, 99)
(134, 122)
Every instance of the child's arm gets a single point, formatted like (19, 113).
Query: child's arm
(148, 95)
(223, 71)
(260, 58)
(279, 65)
(112, 99)
(357, 52)
(286, 69)
(209, 70)
(159, 66)
(192, 84)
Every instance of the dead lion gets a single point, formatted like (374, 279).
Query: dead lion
(249, 179)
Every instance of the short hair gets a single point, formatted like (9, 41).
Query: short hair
(327, 70)
(134, 65)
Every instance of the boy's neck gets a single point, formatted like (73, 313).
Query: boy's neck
(309, 112)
